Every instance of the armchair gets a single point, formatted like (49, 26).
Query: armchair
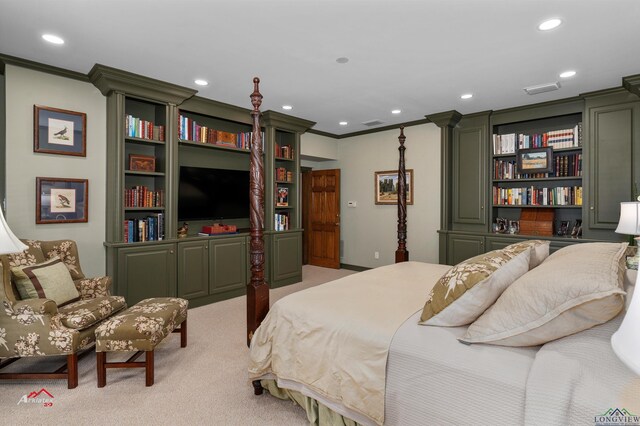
(38, 327)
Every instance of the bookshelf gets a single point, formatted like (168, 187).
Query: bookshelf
(552, 149)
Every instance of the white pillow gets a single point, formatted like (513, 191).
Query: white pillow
(539, 250)
(574, 289)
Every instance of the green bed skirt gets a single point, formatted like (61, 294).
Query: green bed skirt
(317, 413)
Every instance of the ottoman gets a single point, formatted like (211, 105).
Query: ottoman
(140, 328)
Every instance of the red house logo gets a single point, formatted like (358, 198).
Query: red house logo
(40, 397)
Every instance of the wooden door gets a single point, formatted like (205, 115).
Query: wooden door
(324, 219)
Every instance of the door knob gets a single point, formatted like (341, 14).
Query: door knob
(337, 223)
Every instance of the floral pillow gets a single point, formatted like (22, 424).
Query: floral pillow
(470, 287)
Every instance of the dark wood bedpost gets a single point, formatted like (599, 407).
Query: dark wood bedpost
(402, 255)
(257, 290)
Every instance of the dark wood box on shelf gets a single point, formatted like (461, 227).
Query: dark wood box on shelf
(536, 221)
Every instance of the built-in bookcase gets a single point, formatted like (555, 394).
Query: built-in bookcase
(552, 141)
(286, 181)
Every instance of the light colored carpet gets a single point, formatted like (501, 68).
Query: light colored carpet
(204, 383)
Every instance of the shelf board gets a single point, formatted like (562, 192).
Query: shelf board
(284, 159)
(547, 179)
(144, 209)
(520, 206)
(213, 146)
(284, 181)
(131, 139)
(284, 207)
(141, 173)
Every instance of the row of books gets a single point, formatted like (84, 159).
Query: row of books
(569, 165)
(150, 228)
(282, 222)
(284, 175)
(284, 151)
(141, 196)
(190, 130)
(138, 128)
(558, 139)
(282, 196)
(532, 196)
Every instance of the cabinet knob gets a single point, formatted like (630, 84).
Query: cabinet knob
(592, 208)
(482, 207)
(171, 251)
(206, 247)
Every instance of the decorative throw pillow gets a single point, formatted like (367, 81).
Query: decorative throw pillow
(47, 280)
(469, 288)
(539, 250)
(67, 251)
(574, 289)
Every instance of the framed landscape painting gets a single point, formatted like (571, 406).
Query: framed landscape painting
(386, 187)
(58, 131)
(61, 200)
(535, 160)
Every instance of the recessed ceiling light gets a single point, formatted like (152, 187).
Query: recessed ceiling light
(567, 74)
(52, 39)
(396, 111)
(287, 107)
(466, 96)
(549, 24)
(342, 60)
(200, 82)
(343, 123)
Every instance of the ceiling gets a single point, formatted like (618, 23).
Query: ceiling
(417, 56)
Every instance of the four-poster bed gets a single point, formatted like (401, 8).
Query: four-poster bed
(353, 351)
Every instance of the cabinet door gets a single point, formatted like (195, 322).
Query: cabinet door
(469, 174)
(227, 264)
(146, 271)
(613, 131)
(193, 269)
(497, 243)
(286, 256)
(462, 247)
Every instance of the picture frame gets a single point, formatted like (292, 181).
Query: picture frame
(535, 160)
(386, 187)
(282, 196)
(59, 131)
(61, 200)
(142, 163)
(514, 227)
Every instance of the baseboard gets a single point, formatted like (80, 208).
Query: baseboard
(354, 267)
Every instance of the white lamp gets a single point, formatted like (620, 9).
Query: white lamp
(626, 341)
(629, 224)
(9, 243)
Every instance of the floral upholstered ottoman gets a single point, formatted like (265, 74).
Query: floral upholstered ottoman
(140, 328)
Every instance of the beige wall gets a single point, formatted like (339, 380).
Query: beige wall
(313, 147)
(368, 227)
(25, 88)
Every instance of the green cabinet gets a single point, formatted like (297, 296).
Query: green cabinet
(227, 264)
(469, 173)
(144, 271)
(286, 258)
(613, 122)
(193, 269)
(464, 246)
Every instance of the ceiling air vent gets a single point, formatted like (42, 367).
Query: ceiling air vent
(541, 88)
(372, 122)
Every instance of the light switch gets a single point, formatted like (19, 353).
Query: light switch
(352, 204)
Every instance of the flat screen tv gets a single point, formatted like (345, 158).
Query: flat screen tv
(212, 194)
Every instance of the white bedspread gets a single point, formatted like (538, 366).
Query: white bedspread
(331, 342)
(578, 378)
(432, 379)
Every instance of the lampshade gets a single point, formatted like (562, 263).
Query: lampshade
(629, 222)
(9, 243)
(626, 341)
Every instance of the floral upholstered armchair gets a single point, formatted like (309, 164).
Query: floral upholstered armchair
(40, 326)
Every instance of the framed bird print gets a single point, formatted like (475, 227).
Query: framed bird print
(58, 131)
(61, 200)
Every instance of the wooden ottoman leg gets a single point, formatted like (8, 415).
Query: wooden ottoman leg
(72, 371)
(101, 360)
(149, 367)
(183, 334)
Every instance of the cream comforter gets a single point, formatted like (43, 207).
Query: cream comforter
(329, 346)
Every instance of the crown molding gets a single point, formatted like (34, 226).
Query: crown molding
(37, 66)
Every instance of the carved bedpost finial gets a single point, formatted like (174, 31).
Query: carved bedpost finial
(256, 96)
(402, 137)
